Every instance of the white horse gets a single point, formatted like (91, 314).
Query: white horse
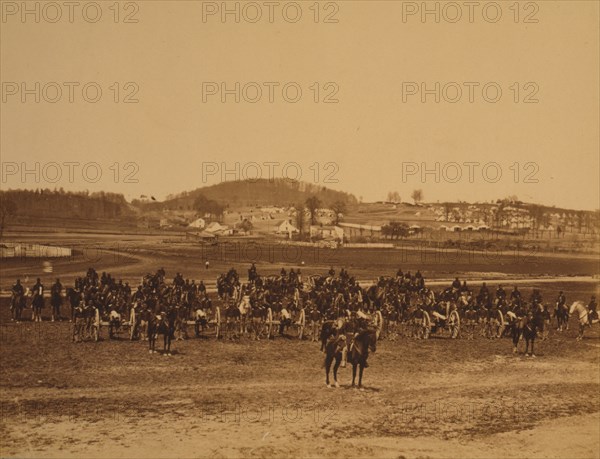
(245, 307)
(583, 313)
(114, 323)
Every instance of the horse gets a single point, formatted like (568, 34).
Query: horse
(90, 316)
(74, 298)
(145, 317)
(257, 323)
(542, 318)
(200, 321)
(494, 325)
(232, 317)
(470, 320)
(152, 330)
(55, 302)
(245, 309)
(530, 331)
(583, 315)
(161, 325)
(114, 324)
(359, 352)
(334, 348)
(17, 304)
(79, 323)
(37, 304)
(181, 314)
(562, 317)
(328, 329)
(525, 325)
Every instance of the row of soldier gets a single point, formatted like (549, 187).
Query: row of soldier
(400, 299)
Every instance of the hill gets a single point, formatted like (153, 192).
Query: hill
(279, 192)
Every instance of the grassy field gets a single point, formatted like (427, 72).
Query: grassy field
(434, 398)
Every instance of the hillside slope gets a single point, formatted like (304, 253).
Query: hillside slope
(279, 192)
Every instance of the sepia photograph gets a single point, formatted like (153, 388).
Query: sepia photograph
(300, 229)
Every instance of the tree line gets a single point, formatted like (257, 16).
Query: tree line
(46, 203)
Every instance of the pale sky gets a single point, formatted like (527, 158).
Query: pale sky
(368, 55)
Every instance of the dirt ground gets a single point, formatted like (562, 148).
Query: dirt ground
(219, 399)
(435, 398)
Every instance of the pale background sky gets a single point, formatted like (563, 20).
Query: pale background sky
(369, 133)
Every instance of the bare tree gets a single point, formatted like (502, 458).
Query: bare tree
(417, 196)
(338, 208)
(300, 218)
(393, 196)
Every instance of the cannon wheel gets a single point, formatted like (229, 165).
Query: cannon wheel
(426, 325)
(454, 324)
(96, 326)
(501, 325)
(301, 323)
(132, 324)
(217, 322)
(269, 323)
(378, 323)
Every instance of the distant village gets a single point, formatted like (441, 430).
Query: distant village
(271, 220)
(382, 221)
(341, 222)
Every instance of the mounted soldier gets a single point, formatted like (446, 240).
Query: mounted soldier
(515, 295)
(17, 301)
(536, 297)
(89, 316)
(79, 322)
(252, 273)
(500, 295)
(483, 299)
(361, 323)
(593, 311)
(285, 320)
(37, 303)
(561, 312)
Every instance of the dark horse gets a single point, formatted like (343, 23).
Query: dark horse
(535, 324)
(327, 329)
(562, 317)
(17, 304)
(162, 325)
(359, 352)
(331, 328)
(333, 351)
(526, 327)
